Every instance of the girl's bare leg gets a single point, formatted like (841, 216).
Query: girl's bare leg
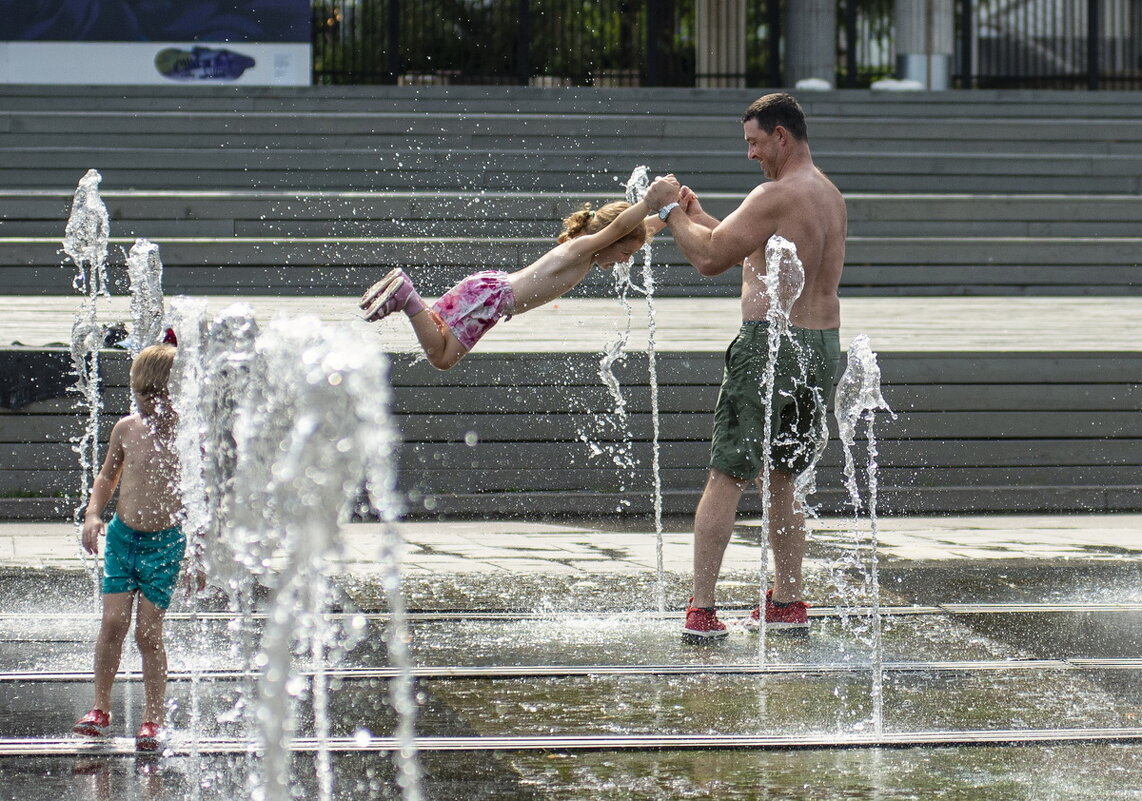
(149, 638)
(440, 344)
(109, 644)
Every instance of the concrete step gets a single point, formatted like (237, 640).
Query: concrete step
(401, 130)
(642, 101)
(993, 428)
(254, 213)
(573, 140)
(862, 173)
(889, 265)
(996, 192)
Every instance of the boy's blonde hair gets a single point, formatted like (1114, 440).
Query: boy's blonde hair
(151, 369)
(586, 221)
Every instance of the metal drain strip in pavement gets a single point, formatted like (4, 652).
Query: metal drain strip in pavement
(183, 746)
(477, 615)
(568, 671)
(994, 609)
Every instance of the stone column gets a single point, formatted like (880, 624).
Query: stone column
(811, 41)
(720, 46)
(925, 35)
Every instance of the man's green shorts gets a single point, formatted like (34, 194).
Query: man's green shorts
(804, 377)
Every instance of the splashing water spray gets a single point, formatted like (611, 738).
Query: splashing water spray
(230, 370)
(212, 371)
(783, 280)
(636, 189)
(282, 426)
(303, 452)
(186, 317)
(278, 434)
(85, 243)
(381, 488)
(618, 419)
(145, 273)
(615, 352)
(858, 396)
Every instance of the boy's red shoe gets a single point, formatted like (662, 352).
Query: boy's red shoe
(149, 737)
(94, 724)
(702, 624)
(792, 617)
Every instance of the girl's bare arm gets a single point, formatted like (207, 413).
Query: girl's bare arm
(653, 224)
(656, 195)
(627, 221)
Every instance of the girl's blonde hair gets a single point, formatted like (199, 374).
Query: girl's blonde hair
(151, 369)
(588, 221)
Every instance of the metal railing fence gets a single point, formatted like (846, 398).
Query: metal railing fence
(999, 43)
(538, 42)
(1050, 44)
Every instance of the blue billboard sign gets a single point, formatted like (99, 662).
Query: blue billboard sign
(263, 42)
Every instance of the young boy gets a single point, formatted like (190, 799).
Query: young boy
(144, 544)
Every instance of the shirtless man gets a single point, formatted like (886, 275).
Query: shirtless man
(800, 204)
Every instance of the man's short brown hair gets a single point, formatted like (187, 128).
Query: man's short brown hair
(775, 109)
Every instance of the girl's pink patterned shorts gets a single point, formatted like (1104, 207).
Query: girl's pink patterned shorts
(475, 304)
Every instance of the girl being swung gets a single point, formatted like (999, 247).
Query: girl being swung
(454, 324)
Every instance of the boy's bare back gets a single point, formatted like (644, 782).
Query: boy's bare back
(149, 499)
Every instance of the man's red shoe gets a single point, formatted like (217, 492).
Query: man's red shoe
(792, 617)
(702, 625)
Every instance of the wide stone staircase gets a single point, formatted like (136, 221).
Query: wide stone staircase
(309, 192)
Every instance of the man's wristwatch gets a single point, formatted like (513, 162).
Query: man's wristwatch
(664, 212)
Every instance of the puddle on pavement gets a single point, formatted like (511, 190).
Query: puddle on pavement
(799, 701)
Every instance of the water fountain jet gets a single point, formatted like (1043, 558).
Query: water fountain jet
(859, 397)
(85, 243)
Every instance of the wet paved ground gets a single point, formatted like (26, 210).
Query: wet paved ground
(520, 547)
(1011, 628)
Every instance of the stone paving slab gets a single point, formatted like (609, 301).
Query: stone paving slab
(522, 547)
(1009, 537)
(584, 325)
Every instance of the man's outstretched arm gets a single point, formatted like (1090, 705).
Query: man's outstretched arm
(714, 250)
